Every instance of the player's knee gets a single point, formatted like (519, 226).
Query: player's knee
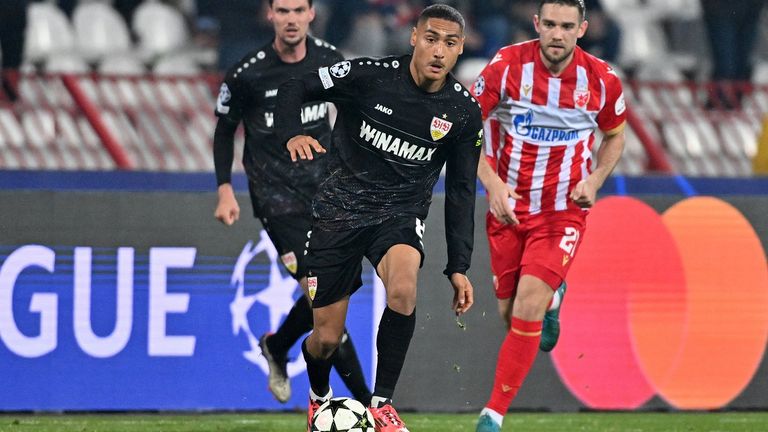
(327, 341)
(401, 298)
(529, 308)
(403, 306)
(327, 338)
(401, 293)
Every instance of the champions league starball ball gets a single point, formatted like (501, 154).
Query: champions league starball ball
(342, 415)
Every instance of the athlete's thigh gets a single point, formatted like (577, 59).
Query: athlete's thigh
(506, 246)
(396, 251)
(399, 267)
(290, 234)
(551, 245)
(401, 231)
(334, 264)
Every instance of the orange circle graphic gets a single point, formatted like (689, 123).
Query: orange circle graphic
(673, 305)
(727, 313)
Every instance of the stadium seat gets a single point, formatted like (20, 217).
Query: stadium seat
(643, 39)
(747, 137)
(110, 93)
(121, 64)
(710, 141)
(11, 132)
(691, 139)
(760, 73)
(615, 7)
(160, 29)
(648, 100)
(659, 71)
(176, 65)
(678, 9)
(757, 102)
(100, 31)
(69, 134)
(48, 31)
(46, 91)
(66, 63)
(39, 127)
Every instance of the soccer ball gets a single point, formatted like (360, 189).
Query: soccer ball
(342, 415)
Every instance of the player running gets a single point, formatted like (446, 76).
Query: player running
(400, 120)
(281, 190)
(541, 101)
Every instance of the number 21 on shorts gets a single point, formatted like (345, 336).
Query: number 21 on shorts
(569, 241)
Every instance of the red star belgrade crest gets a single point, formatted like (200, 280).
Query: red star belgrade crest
(581, 98)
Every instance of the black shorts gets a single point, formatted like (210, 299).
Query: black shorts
(335, 258)
(290, 234)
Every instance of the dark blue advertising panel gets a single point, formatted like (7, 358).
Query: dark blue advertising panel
(135, 316)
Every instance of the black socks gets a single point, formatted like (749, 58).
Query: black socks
(395, 333)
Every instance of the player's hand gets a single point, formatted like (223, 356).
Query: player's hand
(301, 146)
(584, 194)
(499, 194)
(227, 210)
(463, 295)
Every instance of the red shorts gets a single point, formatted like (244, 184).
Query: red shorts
(542, 245)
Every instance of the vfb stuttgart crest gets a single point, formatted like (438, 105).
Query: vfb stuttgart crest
(439, 128)
(276, 296)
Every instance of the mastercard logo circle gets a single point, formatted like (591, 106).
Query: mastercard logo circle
(674, 305)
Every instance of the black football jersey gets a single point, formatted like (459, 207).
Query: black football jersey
(249, 94)
(391, 141)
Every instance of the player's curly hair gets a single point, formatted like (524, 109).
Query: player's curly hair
(578, 4)
(444, 12)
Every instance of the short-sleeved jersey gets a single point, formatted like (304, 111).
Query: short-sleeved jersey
(391, 141)
(539, 129)
(249, 94)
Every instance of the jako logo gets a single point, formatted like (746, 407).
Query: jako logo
(672, 305)
(277, 296)
(382, 108)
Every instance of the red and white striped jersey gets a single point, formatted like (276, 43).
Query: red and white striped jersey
(539, 129)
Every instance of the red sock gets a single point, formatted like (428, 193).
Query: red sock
(518, 351)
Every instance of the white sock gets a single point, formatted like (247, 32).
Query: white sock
(317, 398)
(496, 417)
(376, 400)
(555, 301)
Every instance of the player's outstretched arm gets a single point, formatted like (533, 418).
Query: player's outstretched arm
(227, 209)
(463, 293)
(301, 147)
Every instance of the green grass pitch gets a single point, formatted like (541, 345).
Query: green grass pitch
(268, 422)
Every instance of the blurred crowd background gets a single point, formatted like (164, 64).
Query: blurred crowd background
(647, 39)
(696, 74)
